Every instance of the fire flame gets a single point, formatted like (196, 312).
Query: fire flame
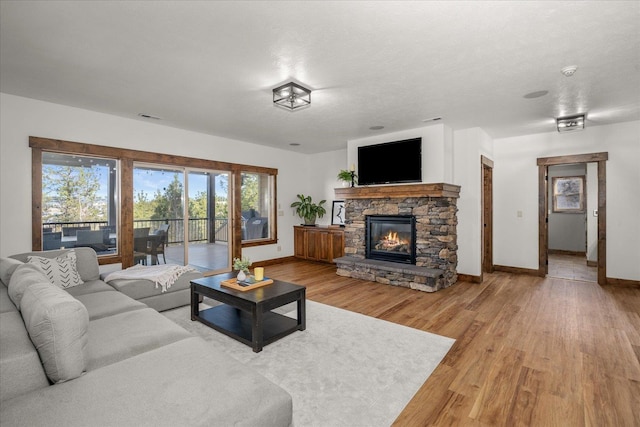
(392, 239)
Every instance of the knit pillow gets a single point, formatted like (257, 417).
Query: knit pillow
(61, 270)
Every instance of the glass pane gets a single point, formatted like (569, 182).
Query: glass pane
(209, 230)
(158, 215)
(79, 202)
(256, 205)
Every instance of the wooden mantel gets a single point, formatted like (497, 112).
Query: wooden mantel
(396, 191)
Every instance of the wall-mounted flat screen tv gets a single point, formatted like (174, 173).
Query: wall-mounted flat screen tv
(391, 162)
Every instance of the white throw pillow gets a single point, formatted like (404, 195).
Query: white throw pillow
(61, 270)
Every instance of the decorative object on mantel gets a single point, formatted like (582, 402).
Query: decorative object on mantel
(337, 213)
(347, 177)
(307, 210)
(291, 96)
(242, 265)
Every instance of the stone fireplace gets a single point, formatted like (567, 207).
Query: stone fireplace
(429, 208)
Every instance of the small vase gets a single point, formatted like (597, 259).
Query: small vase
(241, 276)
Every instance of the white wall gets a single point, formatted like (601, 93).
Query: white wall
(516, 189)
(324, 178)
(436, 150)
(23, 117)
(468, 146)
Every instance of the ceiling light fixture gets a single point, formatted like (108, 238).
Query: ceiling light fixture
(378, 127)
(569, 124)
(569, 70)
(291, 96)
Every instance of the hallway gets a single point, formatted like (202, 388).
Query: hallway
(574, 267)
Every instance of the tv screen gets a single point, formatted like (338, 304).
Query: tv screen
(391, 162)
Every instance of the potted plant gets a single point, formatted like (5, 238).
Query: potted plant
(307, 210)
(345, 176)
(242, 266)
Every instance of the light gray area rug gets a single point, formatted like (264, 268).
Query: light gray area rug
(345, 369)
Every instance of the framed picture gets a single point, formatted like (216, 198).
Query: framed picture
(337, 213)
(568, 194)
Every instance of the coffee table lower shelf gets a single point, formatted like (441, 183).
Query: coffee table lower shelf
(237, 324)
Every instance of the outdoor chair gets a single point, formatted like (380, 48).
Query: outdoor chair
(51, 240)
(157, 243)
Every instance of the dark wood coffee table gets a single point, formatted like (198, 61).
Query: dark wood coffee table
(246, 315)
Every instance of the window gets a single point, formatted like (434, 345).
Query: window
(79, 202)
(100, 183)
(256, 206)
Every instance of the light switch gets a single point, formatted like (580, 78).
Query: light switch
(519, 214)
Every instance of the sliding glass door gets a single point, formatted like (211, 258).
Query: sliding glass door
(209, 226)
(181, 216)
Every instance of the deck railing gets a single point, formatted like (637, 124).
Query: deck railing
(198, 228)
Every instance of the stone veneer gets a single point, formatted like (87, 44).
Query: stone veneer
(436, 238)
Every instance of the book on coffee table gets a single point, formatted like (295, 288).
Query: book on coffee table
(244, 285)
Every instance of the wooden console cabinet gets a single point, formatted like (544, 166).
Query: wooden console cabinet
(319, 243)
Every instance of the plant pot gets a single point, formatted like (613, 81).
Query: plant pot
(241, 275)
(310, 220)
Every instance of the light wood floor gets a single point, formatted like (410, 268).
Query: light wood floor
(566, 266)
(529, 351)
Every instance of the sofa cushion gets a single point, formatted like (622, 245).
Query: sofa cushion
(20, 368)
(7, 267)
(6, 305)
(57, 324)
(124, 335)
(23, 277)
(90, 287)
(86, 260)
(142, 288)
(103, 304)
(61, 270)
(186, 383)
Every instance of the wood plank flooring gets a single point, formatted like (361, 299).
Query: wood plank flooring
(529, 351)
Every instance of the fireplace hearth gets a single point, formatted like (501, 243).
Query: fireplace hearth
(391, 238)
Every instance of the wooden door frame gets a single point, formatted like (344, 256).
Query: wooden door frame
(486, 224)
(543, 208)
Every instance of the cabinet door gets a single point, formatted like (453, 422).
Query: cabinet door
(312, 244)
(337, 245)
(323, 245)
(300, 242)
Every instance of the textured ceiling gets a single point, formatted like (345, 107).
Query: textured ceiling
(210, 66)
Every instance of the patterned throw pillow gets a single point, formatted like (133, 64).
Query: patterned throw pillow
(61, 270)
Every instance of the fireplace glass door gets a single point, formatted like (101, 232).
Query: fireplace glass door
(391, 238)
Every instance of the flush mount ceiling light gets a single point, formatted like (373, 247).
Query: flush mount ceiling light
(569, 124)
(291, 96)
(569, 70)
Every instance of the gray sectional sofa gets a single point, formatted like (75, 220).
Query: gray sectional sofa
(89, 355)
